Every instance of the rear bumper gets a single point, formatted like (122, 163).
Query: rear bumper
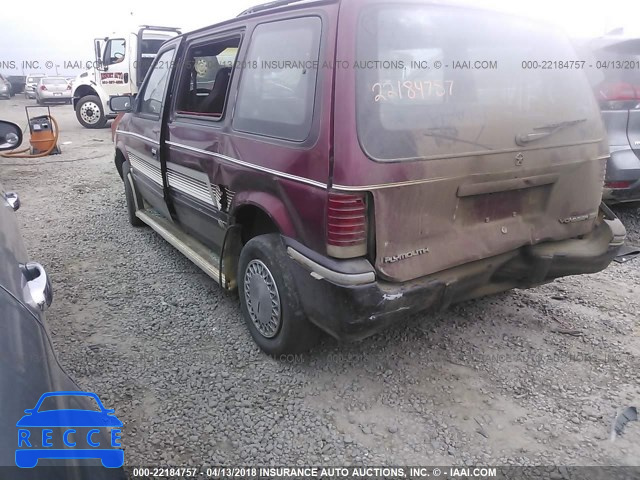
(624, 165)
(347, 309)
(48, 97)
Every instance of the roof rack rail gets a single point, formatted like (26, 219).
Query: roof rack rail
(268, 5)
(161, 29)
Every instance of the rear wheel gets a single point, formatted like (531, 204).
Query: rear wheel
(128, 192)
(89, 112)
(269, 298)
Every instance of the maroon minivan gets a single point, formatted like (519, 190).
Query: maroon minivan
(346, 163)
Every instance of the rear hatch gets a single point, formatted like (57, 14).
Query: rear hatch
(471, 143)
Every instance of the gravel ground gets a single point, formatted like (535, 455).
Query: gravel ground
(488, 381)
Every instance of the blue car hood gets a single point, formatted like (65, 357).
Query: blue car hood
(69, 418)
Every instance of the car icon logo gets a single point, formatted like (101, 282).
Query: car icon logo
(69, 425)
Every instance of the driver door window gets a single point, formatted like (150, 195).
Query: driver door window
(114, 51)
(152, 97)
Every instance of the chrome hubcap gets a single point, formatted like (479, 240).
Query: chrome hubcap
(262, 298)
(90, 112)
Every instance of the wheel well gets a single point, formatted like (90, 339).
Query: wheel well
(119, 160)
(85, 90)
(253, 222)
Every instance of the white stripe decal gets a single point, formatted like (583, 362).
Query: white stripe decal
(141, 137)
(250, 165)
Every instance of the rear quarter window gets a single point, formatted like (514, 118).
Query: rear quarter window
(278, 83)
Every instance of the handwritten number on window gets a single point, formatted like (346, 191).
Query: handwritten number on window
(411, 90)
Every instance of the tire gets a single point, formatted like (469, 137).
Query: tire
(89, 112)
(262, 268)
(128, 192)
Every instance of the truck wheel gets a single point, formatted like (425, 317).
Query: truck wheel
(128, 192)
(269, 298)
(89, 112)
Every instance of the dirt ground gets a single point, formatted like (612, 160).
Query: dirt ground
(492, 381)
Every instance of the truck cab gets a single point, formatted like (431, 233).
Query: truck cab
(121, 63)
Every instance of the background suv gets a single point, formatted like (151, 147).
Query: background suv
(31, 84)
(616, 81)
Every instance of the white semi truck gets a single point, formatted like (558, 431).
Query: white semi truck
(122, 61)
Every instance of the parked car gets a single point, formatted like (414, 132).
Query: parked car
(6, 90)
(338, 183)
(617, 87)
(29, 369)
(53, 90)
(31, 85)
(17, 83)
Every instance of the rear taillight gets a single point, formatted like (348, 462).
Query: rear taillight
(347, 225)
(616, 185)
(42, 87)
(618, 96)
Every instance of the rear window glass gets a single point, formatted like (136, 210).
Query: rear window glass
(278, 83)
(426, 90)
(54, 81)
(206, 76)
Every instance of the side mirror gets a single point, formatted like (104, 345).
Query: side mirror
(122, 103)
(10, 135)
(97, 48)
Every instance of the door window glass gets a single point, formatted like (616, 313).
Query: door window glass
(206, 77)
(155, 88)
(115, 51)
